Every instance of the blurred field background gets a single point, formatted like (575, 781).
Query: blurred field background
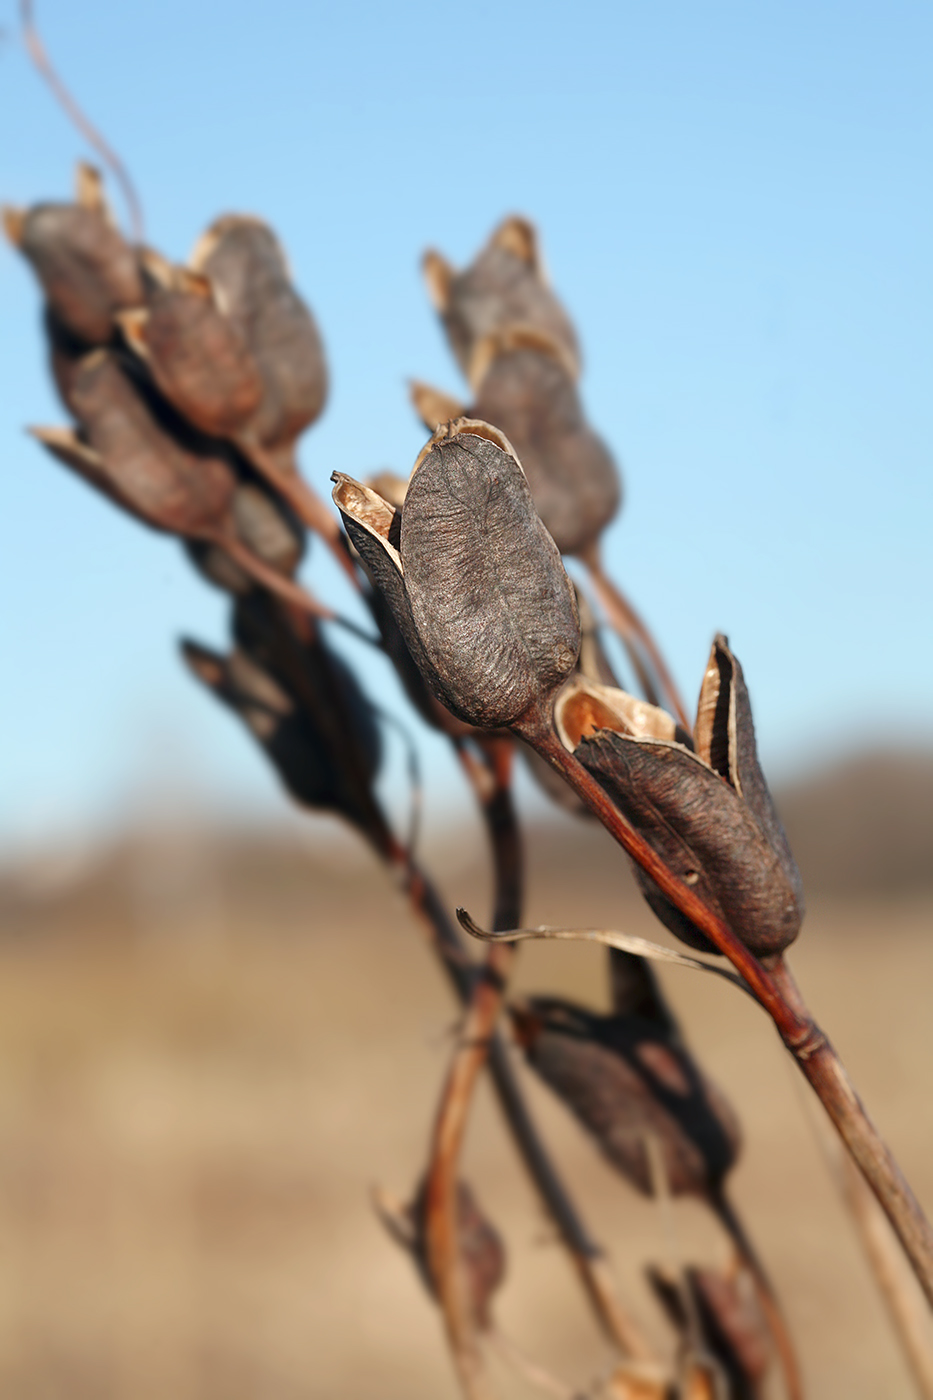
(215, 1042)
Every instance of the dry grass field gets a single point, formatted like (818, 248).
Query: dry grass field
(209, 1057)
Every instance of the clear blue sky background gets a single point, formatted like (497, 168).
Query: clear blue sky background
(737, 207)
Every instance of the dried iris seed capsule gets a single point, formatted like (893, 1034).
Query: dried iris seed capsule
(474, 580)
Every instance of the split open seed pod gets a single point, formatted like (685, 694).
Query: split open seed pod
(707, 813)
(474, 580)
(249, 273)
(505, 286)
(87, 271)
(197, 357)
(627, 1078)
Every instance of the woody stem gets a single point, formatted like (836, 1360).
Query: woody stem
(778, 994)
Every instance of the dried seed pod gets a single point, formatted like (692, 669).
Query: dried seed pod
(267, 528)
(304, 706)
(133, 459)
(248, 271)
(732, 1324)
(504, 287)
(482, 1251)
(145, 460)
(88, 273)
(708, 813)
(198, 358)
(628, 1077)
(474, 580)
(526, 391)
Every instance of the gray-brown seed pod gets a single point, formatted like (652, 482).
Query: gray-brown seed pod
(87, 271)
(267, 528)
(474, 580)
(503, 287)
(528, 393)
(197, 357)
(304, 706)
(708, 813)
(248, 271)
(627, 1077)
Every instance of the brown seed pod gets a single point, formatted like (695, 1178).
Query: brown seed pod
(504, 287)
(135, 452)
(304, 706)
(628, 1077)
(474, 580)
(88, 273)
(708, 813)
(731, 1321)
(248, 271)
(197, 357)
(528, 393)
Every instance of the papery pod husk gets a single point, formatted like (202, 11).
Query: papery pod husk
(734, 1329)
(247, 268)
(87, 271)
(627, 1077)
(481, 1250)
(133, 459)
(503, 287)
(528, 394)
(705, 833)
(198, 358)
(266, 526)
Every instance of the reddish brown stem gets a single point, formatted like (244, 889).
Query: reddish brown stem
(441, 1235)
(630, 627)
(778, 994)
(43, 63)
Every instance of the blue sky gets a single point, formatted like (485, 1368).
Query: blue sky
(735, 203)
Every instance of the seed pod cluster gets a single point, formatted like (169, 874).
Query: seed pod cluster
(628, 1077)
(168, 389)
(703, 805)
(518, 350)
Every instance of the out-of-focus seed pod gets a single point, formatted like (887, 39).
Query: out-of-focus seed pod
(733, 1326)
(482, 1251)
(87, 271)
(249, 273)
(433, 406)
(474, 580)
(504, 287)
(708, 813)
(127, 454)
(266, 527)
(526, 390)
(627, 1078)
(198, 358)
(304, 706)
